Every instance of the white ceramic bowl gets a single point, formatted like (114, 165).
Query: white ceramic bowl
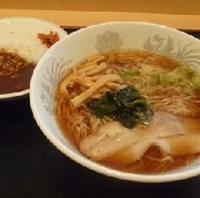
(91, 40)
(19, 35)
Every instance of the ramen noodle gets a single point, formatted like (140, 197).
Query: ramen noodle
(131, 110)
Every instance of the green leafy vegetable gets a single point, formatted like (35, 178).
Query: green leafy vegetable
(196, 83)
(185, 77)
(126, 106)
(132, 72)
(158, 78)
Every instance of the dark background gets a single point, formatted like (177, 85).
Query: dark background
(30, 166)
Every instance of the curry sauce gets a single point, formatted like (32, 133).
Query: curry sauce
(15, 72)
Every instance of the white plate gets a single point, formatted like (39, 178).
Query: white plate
(19, 34)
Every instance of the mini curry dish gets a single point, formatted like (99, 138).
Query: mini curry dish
(131, 110)
(16, 70)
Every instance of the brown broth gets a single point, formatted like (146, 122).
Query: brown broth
(67, 131)
(151, 162)
(143, 166)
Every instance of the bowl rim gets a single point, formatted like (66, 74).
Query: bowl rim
(24, 93)
(85, 162)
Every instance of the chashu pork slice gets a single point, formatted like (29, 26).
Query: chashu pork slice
(113, 138)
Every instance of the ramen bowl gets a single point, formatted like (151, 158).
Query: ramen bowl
(23, 41)
(98, 39)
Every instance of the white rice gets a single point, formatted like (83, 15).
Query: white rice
(19, 35)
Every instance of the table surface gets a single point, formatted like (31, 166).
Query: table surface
(30, 166)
